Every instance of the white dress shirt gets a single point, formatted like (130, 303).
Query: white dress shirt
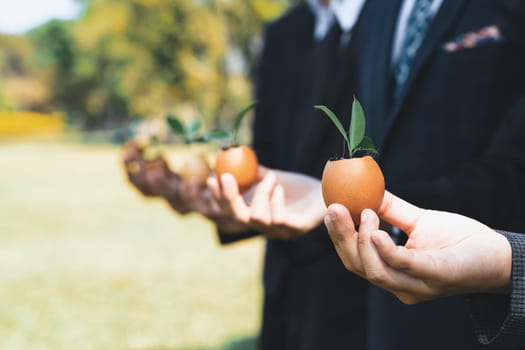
(346, 12)
(324, 18)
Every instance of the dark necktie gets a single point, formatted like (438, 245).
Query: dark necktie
(417, 25)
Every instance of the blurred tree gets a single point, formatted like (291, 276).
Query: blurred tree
(22, 86)
(192, 58)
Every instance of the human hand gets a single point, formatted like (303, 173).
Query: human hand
(446, 254)
(135, 167)
(154, 178)
(283, 205)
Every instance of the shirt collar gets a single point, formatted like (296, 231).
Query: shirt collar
(346, 12)
(324, 18)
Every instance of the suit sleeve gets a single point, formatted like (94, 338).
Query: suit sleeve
(500, 319)
(261, 128)
(491, 188)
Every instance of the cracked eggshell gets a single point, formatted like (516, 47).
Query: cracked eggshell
(241, 162)
(356, 183)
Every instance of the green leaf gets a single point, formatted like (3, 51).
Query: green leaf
(336, 121)
(357, 125)
(217, 135)
(199, 139)
(176, 125)
(366, 143)
(240, 116)
(193, 127)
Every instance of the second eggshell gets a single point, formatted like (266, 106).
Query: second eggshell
(241, 162)
(356, 183)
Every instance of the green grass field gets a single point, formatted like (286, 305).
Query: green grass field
(86, 263)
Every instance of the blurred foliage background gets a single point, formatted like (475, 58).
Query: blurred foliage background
(127, 58)
(85, 261)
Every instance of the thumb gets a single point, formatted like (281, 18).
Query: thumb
(400, 213)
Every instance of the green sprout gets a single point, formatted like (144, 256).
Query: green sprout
(355, 137)
(232, 136)
(190, 133)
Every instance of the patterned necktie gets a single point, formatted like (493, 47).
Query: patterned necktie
(416, 28)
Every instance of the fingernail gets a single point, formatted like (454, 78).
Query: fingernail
(364, 217)
(329, 217)
(329, 221)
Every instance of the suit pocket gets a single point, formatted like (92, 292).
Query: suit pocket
(486, 35)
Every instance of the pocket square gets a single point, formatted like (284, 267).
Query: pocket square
(472, 39)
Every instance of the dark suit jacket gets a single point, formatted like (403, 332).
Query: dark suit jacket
(310, 300)
(500, 319)
(451, 142)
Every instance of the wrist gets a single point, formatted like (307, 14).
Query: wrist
(503, 255)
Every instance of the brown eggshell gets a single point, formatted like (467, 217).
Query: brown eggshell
(196, 168)
(239, 161)
(356, 183)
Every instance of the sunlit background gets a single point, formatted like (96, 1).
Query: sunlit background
(17, 17)
(85, 261)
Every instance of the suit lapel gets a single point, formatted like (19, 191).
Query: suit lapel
(445, 17)
(313, 87)
(300, 43)
(374, 68)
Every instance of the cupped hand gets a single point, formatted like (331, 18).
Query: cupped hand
(154, 178)
(445, 254)
(135, 167)
(282, 205)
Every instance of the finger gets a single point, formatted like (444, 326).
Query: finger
(219, 205)
(277, 203)
(216, 205)
(340, 224)
(398, 257)
(367, 252)
(283, 226)
(261, 212)
(419, 264)
(399, 213)
(342, 232)
(376, 269)
(214, 187)
(378, 272)
(231, 200)
(409, 289)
